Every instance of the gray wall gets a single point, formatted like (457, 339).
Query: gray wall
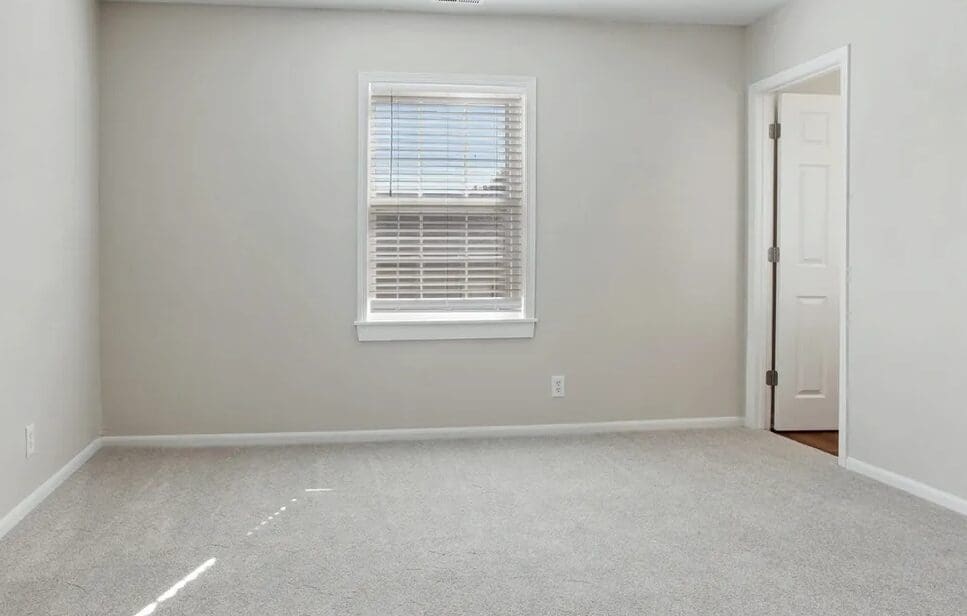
(48, 255)
(828, 83)
(908, 220)
(229, 208)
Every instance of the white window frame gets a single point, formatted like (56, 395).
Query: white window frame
(433, 325)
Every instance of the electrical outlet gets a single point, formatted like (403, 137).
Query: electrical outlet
(557, 386)
(31, 443)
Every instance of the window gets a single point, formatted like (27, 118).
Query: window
(446, 207)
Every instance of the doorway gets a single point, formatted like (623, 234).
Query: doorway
(798, 247)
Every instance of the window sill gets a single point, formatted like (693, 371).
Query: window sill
(478, 329)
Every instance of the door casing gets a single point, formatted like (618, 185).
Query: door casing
(761, 101)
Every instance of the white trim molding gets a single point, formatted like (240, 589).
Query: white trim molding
(368, 331)
(417, 434)
(455, 325)
(19, 512)
(761, 97)
(911, 486)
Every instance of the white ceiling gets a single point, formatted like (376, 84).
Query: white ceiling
(732, 12)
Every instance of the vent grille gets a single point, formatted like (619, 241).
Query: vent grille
(455, 2)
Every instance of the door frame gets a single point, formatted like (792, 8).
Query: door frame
(761, 103)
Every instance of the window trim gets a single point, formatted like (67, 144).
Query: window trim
(434, 326)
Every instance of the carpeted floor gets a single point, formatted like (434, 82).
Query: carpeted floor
(666, 523)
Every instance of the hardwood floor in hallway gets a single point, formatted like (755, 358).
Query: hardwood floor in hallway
(826, 440)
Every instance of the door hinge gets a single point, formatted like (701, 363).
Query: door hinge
(772, 378)
(775, 130)
(773, 254)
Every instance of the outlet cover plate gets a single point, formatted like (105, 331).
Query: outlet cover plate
(31, 442)
(557, 386)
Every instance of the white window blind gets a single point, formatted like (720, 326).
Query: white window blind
(446, 199)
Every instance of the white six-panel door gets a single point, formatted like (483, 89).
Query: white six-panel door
(811, 203)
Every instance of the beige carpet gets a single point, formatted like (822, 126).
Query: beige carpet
(704, 523)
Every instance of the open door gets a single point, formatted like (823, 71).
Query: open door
(812, 198)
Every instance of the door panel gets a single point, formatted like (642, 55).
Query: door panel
(813, 215)
(811, 200)
(810, 356)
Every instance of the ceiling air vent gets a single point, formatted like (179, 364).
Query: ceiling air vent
(456, 2)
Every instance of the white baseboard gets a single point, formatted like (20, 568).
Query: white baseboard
(18, 513)
(417, 434)
(912, 486)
